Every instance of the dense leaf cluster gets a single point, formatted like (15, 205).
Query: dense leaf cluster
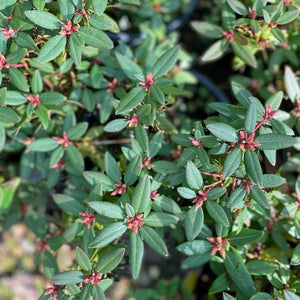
(94, 125)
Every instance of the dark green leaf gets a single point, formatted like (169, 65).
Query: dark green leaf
(43, 19)
(232, 162)
(108, 234)
(259, 196)
(250, 120)
(42, 114)
(129, 67)
(77, 131)
(261, 267)
(159, 219)
(193, 176)
(238, 7)
(68, 204)
(186, 193)
(95, 38)
(69, 277)
(217, 213)
(111, 168)
(43, 145)
(52, 48)
(18, 79)
(165, 62)
(207, 29)
(133, 170)
(245, 237)
(195, 247)
(136, 253)
(49, 98)
(131, 100)
(153, 239)
(107, 209)
(193, 223)
(99, 6)
(83, 260)
(74, 47)
(274, 141)
(271, 180)
(237, 270)
(141, 195)
(97, 177)
(223, 131)
(253, 167)
(245, 54)
(221, 283)
(2, 137)
(215, 51)
(36, 82)
(67, 9)
(288, 17)
(110, 260)
(196, 260)
(8, 115)
(236, 198)
(167, 204)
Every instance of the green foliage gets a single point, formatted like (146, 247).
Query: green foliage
(102, 130)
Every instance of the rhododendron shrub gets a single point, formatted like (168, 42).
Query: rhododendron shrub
(108, 167)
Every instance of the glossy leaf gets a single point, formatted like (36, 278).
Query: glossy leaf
(245, 54)
(108, 234)
(250, 120)
(232, 162)
(274, 141)
(193, 223)
(69, 277)
(215, 51)
(261, 267)
(193, 176)
(259, 196)
(159, 219)
(165, 62)
(131, 100)
(107, 209)
(186, 193)
(43, 19)
(153, 239)
(133, 170)
(136, 253)
(129, 67)
(217, 213)
(68, 204)
(223, 131)
(83, 260)
(207, 29)
(237, 270)
(141, 196)
(195, 247)
(18, 79)
(43, 145)
(8, 115)
(238, 7)
(52, 48)
(95, 38)
(110, 260)
(253, 167)
(245, 237)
